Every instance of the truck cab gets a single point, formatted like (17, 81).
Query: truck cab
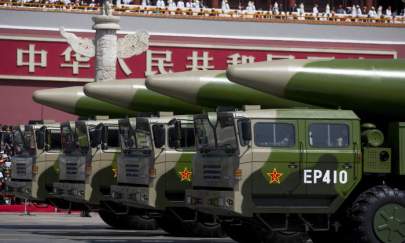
(86, 165)
(154, 170)
(279, 174)
(37, 149)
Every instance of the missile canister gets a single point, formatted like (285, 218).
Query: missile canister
(373, 87)
(74, 101)
(133, 94)
(213, 89)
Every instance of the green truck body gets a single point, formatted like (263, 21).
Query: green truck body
(33, 169)
(154, 171)
(300, 170)
(90, 150)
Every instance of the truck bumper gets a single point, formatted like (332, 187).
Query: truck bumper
(220, 203)
(138, 197)
(21, 189)
(73, 192)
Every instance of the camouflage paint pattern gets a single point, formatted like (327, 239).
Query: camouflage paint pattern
(366, 86)
(172, 174)
(74, 101)
(213, 89)
(132, 94)
(93, 175)
(272, 179)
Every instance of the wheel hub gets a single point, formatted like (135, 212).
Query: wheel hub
(389, 223)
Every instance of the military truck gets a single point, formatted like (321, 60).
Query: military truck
(87, 169)
(275, 175)
(154, 170)
(37, 148)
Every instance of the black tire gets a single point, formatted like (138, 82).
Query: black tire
(242, 232)
(204, 227)
(369, 206)
(286, 237)
(207, 226)
(128, 221)
(139, 222)
(326, 236)
(172, 225)
(111, 219)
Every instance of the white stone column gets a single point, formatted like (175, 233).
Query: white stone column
(106, 46)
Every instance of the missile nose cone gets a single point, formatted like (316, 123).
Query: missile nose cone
(59, 98)
(270, 77)
(182, 85)
(121, 92)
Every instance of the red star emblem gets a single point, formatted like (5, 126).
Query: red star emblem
(185, 175)
(274, 176)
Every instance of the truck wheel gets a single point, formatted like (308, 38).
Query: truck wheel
(111, 219)
(207, 226)
(172, 225)
(286, 237)
(325, 236)
(139, 222)
(129, 221)
(242, 232)
(378, 215)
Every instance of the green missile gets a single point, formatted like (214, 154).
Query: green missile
(213, 89)
(133, 94)
(366, 86)
(74, 101)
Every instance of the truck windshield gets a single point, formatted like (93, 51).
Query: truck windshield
(135, 139)
(24, 142)
(75, 141)
(218, 135)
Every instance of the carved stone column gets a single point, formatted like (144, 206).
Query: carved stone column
(106, 46)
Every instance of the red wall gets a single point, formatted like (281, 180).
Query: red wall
(17, 106)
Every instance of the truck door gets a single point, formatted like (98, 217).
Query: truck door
(330, 156)
(52, 151)
(179, 172)
(277, 163)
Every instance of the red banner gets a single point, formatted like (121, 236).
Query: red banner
(54, 59)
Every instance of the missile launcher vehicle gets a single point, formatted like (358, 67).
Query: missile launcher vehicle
(37, 149)
(278, 175)
(87, 168)
(154, 170)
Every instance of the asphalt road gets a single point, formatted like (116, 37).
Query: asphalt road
(73, 228)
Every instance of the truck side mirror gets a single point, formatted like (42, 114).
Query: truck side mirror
(177, 130)
(246, 131)
(104, 138)
(40, 137)
(158, 135)
(96, 136)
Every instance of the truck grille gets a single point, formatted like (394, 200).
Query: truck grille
(132, 170)
(21, 168)
(212, 172)
(71, 168)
